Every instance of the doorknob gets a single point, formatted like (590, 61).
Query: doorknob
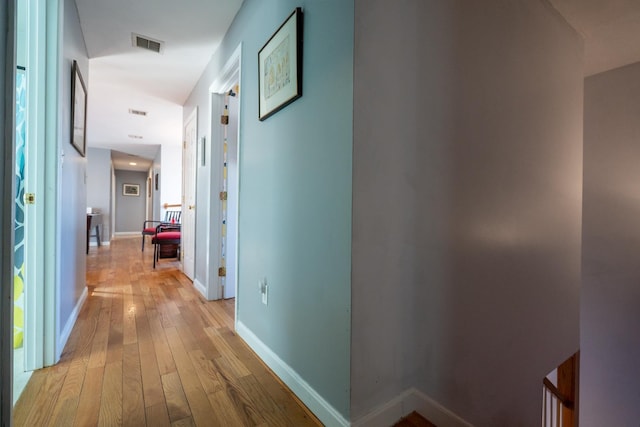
(192, 207)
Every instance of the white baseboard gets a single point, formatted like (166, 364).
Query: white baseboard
(316, 403)
(200, 287)
(405, 403)
(71, 321)
(107, 243)
(127, 234)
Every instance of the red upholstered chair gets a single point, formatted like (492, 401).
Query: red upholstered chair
(167, 236)
(149, 226)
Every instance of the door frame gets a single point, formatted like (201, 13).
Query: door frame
(7, 178)
(38, 132)
(193, 168)
(229, 76)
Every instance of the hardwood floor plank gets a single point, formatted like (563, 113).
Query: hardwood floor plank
(42, 410)
(206, 372)
(98, 356)
(225, 410)
(157, 415)
(67, 403)
(132, 393)
(151, 383)
(204, 343)
(241, 401)
(89, 404)
(236, 365)
(185, 422)
(111, 397)
(163, 353)
(201, 410)
(129, 331)
(269, 409)
(177, 404)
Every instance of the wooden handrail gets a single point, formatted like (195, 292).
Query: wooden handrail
(171, 205)
(568, 403)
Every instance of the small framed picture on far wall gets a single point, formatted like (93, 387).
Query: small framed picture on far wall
(130, 189)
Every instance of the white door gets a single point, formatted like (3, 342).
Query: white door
(189, 195)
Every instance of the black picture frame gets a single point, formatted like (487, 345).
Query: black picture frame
(280, 67)
(78, 110)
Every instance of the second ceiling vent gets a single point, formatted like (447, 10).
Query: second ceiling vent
(146, 43)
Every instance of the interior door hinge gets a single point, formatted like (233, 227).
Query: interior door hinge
(222, 272)
(29, 199)
(223, 195)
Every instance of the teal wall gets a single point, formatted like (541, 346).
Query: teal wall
(295, 193)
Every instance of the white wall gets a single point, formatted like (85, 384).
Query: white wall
(171, 175)
(467, 204)
(99, 187)
(610, 310)
(72, 188)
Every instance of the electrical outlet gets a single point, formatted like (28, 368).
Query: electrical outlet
(262, 286)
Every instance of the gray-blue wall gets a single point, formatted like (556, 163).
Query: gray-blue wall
(72, 188)
(99, 186)
(130, 210)
(295, 194)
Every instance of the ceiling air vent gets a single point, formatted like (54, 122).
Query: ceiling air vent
(137, 112)
(146, 43)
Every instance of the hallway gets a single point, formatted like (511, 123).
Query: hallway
(148, 350)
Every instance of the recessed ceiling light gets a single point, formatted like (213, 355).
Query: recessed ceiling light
(135, 136)
(132, 163)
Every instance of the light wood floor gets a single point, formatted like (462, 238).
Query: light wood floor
(148, 350)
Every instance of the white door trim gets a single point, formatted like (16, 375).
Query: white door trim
(34, 341)
(188, 228)
(229, 76)
(52, 67)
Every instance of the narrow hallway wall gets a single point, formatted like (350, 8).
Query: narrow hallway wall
(610, 315)
(467, 207)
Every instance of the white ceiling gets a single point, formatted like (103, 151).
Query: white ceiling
(611, 31)
(124, 77)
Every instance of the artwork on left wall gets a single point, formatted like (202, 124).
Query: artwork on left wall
(78, 110)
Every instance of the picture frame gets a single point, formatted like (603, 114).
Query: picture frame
(131, 190)
(280, 67)
(78, 110)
